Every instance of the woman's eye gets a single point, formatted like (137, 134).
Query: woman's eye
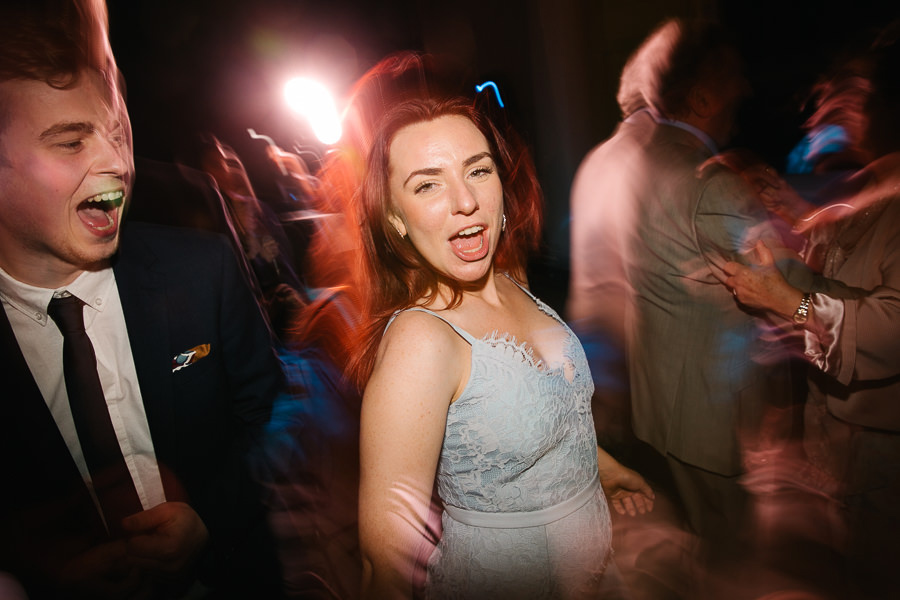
(423, 187)
(482, 172)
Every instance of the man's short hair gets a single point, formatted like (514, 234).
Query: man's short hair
(676, 56)
(53, 41)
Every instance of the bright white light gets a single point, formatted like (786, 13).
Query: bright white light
(313, 101)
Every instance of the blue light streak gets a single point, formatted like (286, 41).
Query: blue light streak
(493, 85)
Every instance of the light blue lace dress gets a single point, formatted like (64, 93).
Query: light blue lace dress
(524, 515)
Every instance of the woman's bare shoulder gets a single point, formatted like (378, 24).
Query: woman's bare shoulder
(421, 354)
(418, 337)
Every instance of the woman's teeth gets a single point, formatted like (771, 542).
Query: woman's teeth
(471, 230)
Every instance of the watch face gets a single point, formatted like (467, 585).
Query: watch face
(802, 313)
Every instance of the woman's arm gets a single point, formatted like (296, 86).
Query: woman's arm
(421, 367)
(624, 488)
(848, 333)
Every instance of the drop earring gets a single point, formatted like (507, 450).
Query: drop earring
(503, 226)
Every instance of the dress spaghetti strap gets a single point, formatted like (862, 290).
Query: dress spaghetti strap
(461, 332)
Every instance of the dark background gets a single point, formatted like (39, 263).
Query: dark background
(219, 66)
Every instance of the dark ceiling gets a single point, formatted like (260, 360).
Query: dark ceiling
(219, 65)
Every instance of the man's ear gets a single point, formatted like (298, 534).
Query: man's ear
(701, 101)
(398, 224)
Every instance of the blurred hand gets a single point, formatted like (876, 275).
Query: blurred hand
(776, 194)
(166, 539)
(103, 572)
(761, 285)
(269, 249)
(626, 489)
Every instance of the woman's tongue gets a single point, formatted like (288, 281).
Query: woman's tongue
(467, 246)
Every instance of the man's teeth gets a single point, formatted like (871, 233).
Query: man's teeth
(114, 197)
(110, 222)
(471, 230)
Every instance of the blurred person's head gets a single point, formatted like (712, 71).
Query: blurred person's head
(436, 166)
(859, 94)
(65, 141)
(397, 77)
(834, 129)
(225, 166)
(686, 70)
(881, 132)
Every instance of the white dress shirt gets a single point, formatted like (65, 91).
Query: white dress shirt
(41, 343)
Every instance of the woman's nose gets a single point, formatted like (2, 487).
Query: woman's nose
(464, 200)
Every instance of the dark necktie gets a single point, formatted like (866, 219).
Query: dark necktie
(112, 482)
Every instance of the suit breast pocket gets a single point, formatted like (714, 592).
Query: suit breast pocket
(195, 366)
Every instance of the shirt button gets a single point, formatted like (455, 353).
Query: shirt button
(39, 316)
(98, 301)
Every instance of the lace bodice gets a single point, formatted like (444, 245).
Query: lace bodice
(520, 437)
(524, 515)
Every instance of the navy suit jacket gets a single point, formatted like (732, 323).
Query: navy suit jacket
(179, 289)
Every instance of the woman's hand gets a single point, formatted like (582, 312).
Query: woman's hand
(626, 489)
(761, 285)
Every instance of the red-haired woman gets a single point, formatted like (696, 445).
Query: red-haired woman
(472, 385)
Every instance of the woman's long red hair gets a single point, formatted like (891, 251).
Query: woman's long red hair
(394, 275)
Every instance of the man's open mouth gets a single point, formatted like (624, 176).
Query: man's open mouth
(98, 212)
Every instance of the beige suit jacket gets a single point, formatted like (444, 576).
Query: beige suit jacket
(701, 370)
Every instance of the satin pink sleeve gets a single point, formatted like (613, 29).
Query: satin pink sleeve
(823, 348)
(856, 338)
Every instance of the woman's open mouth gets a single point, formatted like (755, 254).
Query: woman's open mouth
(470, 243)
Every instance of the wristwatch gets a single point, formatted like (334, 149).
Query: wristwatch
(802, 313)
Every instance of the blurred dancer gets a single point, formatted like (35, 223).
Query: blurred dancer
(334, 251)
(268, 251)
(850, 335)
(263, 240)
(312, 466)
(651, 232)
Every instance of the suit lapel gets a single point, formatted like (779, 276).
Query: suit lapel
(42, 467)
(18, 381)
(142, 290)
(25, 413)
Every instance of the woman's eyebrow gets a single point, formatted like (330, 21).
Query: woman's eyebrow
(474, 159)
(428, 171)
(436, 171)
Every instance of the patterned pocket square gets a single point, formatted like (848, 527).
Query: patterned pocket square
(189, 357)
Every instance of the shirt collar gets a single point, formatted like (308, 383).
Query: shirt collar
(698, 133)
(91, 287)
